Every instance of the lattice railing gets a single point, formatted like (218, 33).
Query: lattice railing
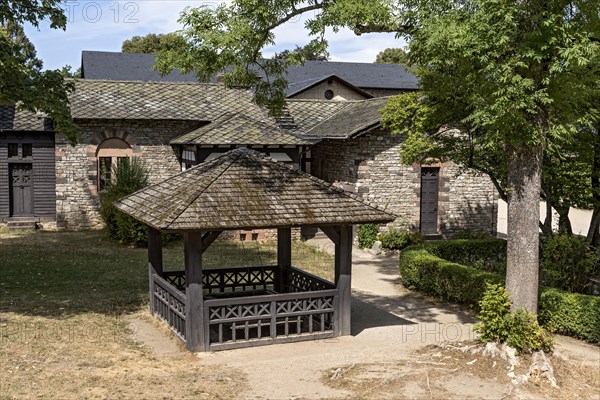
(241, 279)
(175, 278)
(169, 305)
(247, 321)
(300, 281)
(238, 279)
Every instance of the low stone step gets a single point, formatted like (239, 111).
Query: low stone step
(21, 225)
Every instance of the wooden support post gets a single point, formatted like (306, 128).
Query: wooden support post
(333, 233)
(284, 259)
(155, 261)
(194, 309)
(343, 280)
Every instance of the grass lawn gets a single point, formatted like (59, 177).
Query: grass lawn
(62, 298)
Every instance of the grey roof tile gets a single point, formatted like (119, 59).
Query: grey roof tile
(97, 99)
(244, 189)
(135, 66)
(238, 129)
(126, 67)
(12, 119)
(323, 119)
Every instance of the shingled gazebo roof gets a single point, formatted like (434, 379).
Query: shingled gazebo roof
(244, 189)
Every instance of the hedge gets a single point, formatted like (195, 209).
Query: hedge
(488, 254)
(562, 312)
(425, 272)
(571, 314)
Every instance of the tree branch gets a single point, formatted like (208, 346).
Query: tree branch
(295, 12)
(360, 29)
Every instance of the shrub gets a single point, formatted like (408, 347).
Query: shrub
(572, 314)
(525, 333)
(567, 262)
(495, 307)
(130, 176)
(519, 329)
(397, 240)
(425, 272)
(367, 234)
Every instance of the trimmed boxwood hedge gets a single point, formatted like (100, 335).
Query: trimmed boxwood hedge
(490, 252)
(421, 270)
(427, 273)
(571, 314)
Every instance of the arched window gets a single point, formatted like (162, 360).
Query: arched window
(108, 154)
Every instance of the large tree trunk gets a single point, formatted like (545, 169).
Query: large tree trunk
(522, 270)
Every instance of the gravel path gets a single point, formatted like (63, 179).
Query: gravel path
(388, 324)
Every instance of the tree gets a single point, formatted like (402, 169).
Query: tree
(67, 72)
(393, 55)
(22, 80)
(152, 43)
(306, 52)
(519, 76)
(512, 74)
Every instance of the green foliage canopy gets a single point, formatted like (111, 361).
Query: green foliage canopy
(153, 43)
(229, 40)
(394, 55)
(22, 80)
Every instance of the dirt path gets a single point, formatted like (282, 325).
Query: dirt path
(389, 327)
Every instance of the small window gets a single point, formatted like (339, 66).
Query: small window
(13, 150)
(254, 237)
(27, 150)
(188, 159)
(329, 94)
(110, 154)
(104, 173)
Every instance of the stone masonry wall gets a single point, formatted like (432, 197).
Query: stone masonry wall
(370, 165)
(77, 201)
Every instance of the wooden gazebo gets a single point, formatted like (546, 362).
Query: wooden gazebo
(216, 309)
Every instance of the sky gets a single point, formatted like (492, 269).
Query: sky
(102, 25)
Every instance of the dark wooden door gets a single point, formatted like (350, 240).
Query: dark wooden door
(21, 190)
(429, 200)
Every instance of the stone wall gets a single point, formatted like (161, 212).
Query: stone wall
(77, 201)
(370, 165)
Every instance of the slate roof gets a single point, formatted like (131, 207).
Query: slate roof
(349, 121)
(363, 75)
(237, 129)
(308, 113)
(322, 119)
(12, 119)
(135, 66)
(97, 99)
(126, 67)
(243, 189)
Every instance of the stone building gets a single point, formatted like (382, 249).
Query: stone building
(173, 126)
(352, 150)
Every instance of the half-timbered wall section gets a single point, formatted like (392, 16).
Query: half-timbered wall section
(27, 175)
